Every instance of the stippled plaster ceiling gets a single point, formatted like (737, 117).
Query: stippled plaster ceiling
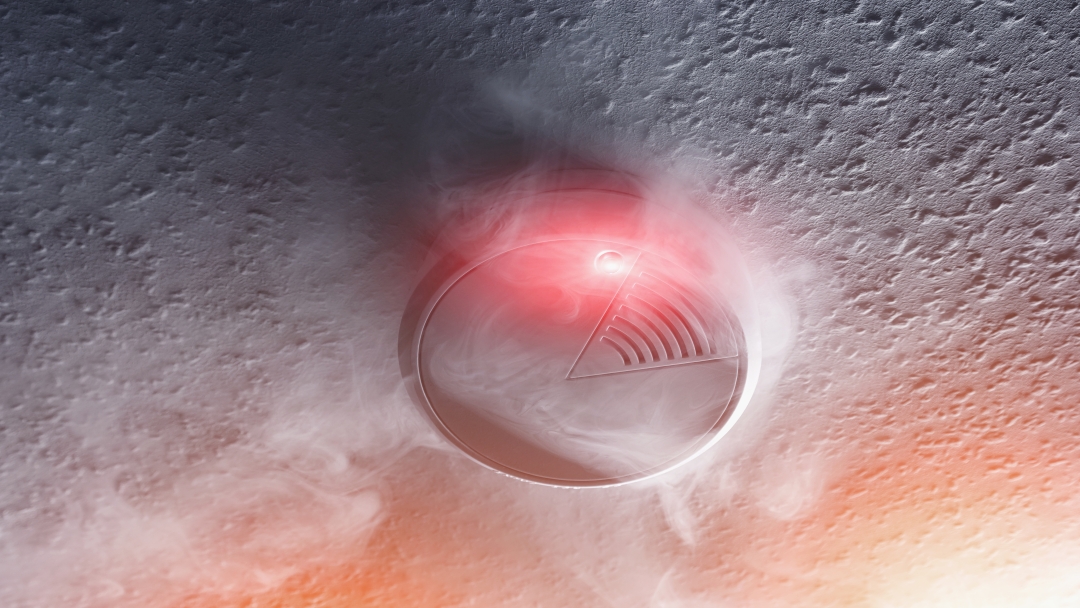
(211, 215)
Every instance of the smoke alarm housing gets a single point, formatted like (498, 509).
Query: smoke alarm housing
(586, 337)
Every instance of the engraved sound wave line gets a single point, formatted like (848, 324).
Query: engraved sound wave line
(621, 335)
(696, 337)
(637, 332)
(654, 343)
(661, 338)
(622, 352)
(694, 315)
(665, 321)
(650, 324)
(695, 330)
(683, 324)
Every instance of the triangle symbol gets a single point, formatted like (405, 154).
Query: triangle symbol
(655, 321)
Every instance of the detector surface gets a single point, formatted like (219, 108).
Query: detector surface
(574, 359)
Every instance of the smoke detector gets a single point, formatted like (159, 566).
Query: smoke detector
(584, 336)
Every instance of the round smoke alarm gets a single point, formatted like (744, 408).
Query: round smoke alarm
(575, 354)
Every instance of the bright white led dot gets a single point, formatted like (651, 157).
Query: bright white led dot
(609, 262)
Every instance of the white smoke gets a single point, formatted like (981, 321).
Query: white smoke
(224, 451)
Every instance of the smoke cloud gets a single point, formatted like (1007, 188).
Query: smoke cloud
(247, 428)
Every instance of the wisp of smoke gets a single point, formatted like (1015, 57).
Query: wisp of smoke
(296, 480)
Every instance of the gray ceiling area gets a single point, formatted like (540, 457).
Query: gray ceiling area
(212, 215)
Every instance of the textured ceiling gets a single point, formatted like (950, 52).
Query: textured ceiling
(212, 214)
